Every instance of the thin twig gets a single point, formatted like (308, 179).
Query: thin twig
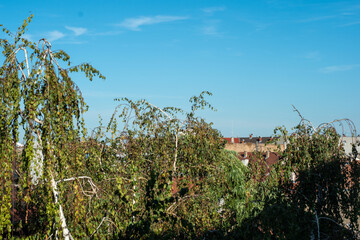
(329, 219)
(303, 119)
(160, 110)
(92, 185)
(98, 227)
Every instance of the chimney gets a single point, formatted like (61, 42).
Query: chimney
(245, 162)
(232, 140)
(260, 139)
(250, 136)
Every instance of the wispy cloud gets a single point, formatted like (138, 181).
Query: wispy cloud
(211, 10)
(351, 10)
(108, 33)
(27, 36)
(257, 26)
(211, 27)
(350, 24)
(347, 13)
(77, 30)
(261, 26)
(54, 35)
(210, 30)
(338, 68)
(71, 42)
(134, 24)
(316, 19)
(314, 55)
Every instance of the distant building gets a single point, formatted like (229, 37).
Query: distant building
(348, 142)
(266, 158)
(254, 144)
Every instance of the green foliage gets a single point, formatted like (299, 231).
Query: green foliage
(327, 181)
(153, 172)
(39, 97)
(235, 187)
(162, 164)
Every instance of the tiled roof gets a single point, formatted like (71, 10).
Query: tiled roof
(254, 157)
(249, 139)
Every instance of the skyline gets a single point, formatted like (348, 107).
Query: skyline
(258, 59)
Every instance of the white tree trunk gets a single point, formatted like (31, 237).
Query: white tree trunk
(66, 233)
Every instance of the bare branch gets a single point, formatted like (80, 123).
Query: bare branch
(73, 178)
(26, 60)
(38, 121)
(89, 179)
(174, 205)
(303, 120)
(350, 124)
(13, 53)
(102, 221)
(160, 110)
(22, 72)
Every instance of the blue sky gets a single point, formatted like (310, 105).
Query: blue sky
(256, 57)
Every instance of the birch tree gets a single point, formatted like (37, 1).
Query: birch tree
(37, 97)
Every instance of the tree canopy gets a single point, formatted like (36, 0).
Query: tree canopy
(153, 172)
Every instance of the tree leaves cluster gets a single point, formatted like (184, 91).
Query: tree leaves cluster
(153, 172)
(39, 100)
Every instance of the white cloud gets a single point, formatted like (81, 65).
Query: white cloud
(77, 30)
(339, 68)
(134, 24)
(54, 35)
(211, 10)
(210, 30)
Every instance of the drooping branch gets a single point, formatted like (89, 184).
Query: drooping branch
(167, 115)
(22, 72)
(39, 96)
(303, 120)
(89, 179)
(102, 221)
(176, 135)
